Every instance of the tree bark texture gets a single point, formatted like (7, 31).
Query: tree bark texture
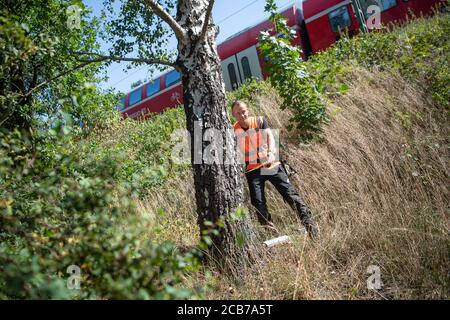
(218, 186)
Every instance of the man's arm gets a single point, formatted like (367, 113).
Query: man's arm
(271, 146)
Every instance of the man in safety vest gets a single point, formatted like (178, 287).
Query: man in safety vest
(256, 141)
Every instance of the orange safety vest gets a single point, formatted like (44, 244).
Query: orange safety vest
(252, 143)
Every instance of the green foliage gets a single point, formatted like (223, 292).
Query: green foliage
(251, 92)
(248, 91)
(418, 50)
(130, 26)
(141, 150)
(91, 107)
(404, 119)
(67, 195)
(41, 77)
(53, 215)
(289, 75)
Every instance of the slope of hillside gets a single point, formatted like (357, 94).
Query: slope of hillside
(377, 181)
(378, 187)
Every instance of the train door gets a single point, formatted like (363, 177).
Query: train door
(240, 67)
(231, 74)
(248, 62)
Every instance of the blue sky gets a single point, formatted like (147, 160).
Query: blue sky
(232, 16)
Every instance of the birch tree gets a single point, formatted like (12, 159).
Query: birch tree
(139, 34)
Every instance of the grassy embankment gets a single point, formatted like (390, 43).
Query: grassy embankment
(377, 182)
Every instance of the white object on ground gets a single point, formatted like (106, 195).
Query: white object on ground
(273, 242)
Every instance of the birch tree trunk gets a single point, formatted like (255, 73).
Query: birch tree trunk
(218, 186)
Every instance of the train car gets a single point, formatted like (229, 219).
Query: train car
(153, 97)
(240, 56)
(325, 20)
(318, 25)
(393, 11)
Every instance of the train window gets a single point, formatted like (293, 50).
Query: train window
(121, 105)
(340, 19)
(385, 5)
(172, 77)
(135, 97)
(246, 68)
(232, 74)
(153, 88)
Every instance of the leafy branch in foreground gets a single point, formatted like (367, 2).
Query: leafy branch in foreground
(53, 215)
(288, 74)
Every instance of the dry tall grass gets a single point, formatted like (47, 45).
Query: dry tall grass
(378, 188)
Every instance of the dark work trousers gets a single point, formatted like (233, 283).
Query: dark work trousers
(256, 184)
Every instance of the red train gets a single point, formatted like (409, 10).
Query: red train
(317, 23)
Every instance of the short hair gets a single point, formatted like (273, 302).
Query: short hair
(235, 102)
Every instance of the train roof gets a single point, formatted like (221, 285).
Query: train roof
(249, 36)
(314, 7)
(293, 5)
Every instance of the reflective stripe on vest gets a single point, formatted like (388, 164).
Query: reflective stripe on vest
(252, 143)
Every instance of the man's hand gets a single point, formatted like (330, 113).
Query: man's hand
(270, 157)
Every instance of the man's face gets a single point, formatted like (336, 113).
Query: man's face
(240, 112)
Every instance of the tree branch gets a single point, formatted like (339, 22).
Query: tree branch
(43, 83)
(101, 58)
(206, 22)
(164, 15)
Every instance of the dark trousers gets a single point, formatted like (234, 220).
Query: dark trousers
(256, 182)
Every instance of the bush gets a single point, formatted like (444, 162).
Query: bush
(418, 50)
(289, 75)
(141, 150)
(54, 216)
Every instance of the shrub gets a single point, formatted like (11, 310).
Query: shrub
(141, 150)
(418, 50)
(54, 216)
(289, 75)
